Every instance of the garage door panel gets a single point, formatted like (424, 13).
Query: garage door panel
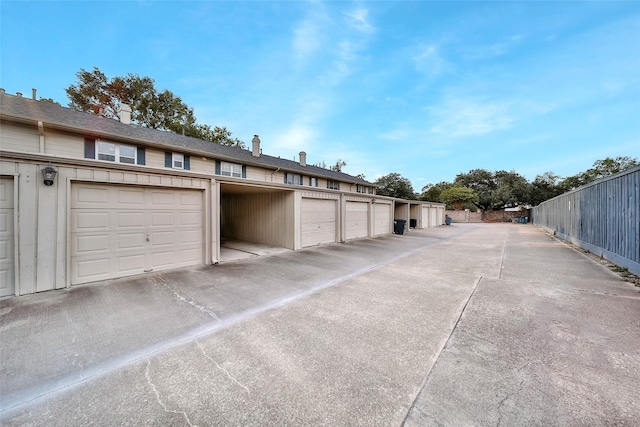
(88, 221)
(130, 219)
(130, 198)
(92, 243)
(92, 269)
(7, 259)
(130, 263)
(141, 229)
(318, 222)
(357, 220)
(126, 241)
(382, 219)
(84, 197)
(190, 219)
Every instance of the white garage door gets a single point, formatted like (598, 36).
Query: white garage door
(318, 222)
(433, 216)
(119, 231)
(357, 220)
(382, 219)
(7, 277)
(425, 216)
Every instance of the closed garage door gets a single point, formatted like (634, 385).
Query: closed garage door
(7, 281)
(357, 220)
(118, 231)
(382, 214)
(318, 222)
(425, 216)
(433, 215)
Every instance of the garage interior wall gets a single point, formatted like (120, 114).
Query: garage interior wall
(259, 217)
(415, 215)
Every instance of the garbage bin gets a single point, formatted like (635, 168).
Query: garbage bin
(447, 221)
(398, 226)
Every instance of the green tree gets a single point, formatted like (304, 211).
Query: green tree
(431, 192)
(96, 93)
(545, 187)
(395, 185)
(457, 196)
(495, 190)
(600, 169)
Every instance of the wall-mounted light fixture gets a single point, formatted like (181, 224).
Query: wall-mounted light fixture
(373, 201)
(49, 175)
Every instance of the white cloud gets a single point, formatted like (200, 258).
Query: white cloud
(358, 19)
(429, 60)
(458, 117)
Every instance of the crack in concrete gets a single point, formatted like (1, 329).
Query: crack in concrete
(157, 393)
(231, 377)
(189, 301)
(507, 397)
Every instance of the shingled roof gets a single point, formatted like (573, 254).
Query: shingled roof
(54, 116)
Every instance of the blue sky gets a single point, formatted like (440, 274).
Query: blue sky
(423, 88)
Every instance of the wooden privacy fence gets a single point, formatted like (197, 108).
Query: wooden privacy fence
(602, 217)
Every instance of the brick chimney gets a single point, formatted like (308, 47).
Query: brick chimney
(255, 146)
(303, 158)
(125, 114)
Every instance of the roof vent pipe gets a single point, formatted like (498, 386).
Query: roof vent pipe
(33, 93)
(125, 114)
(303, 158)
(19, 94)
(255, 146)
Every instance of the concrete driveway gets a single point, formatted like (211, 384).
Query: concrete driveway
(470, 324)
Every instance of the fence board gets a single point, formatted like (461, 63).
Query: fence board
(602, 217)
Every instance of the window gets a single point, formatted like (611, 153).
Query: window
(231, 169)
(177, 161)
(361, 189)
(370, 190)
(333, 185)
(112, 152)
(293, 179)
(313, 182)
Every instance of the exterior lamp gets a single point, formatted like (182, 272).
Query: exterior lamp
(49, 175)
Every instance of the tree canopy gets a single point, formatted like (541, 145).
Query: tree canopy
(457, 196)
(395, 185)
(97, 94)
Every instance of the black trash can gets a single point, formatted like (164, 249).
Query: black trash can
(398, 226)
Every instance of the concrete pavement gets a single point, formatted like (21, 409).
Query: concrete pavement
(471, 324)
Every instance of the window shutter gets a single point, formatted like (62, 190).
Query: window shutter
(244, 171)
(168, 159)
(141, 156)
(187, 163)
(89, 148)
(285, 177)
(217, 167)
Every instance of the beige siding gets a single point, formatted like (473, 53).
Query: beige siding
(63, 144)
(19, 137)
(42, 228)
(258, 174)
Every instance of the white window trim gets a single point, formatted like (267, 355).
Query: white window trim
(292, 177)
(177, 157)
(116, 153)
(234, 169)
